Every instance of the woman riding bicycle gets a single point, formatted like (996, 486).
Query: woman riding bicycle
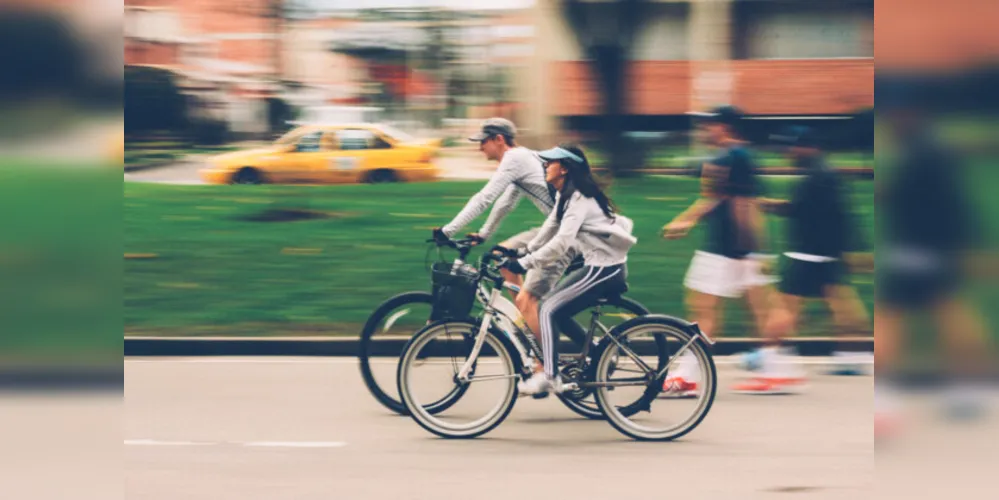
(586, 219)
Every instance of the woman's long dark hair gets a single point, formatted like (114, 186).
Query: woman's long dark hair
(580, 178)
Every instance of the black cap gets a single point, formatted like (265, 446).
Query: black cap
(795, 135)
(729, 115)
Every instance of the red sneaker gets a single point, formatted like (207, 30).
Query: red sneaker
(771, 385)
(679, 387)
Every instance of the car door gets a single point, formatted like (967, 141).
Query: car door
(299, 165)
(354, 155)
(368, 152)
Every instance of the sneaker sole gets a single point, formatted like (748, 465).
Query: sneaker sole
(678, 395)
(778, 391)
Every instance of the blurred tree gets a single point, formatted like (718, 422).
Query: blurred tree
(279, 112)
(40, 56)
(152, 101)
(607, 34)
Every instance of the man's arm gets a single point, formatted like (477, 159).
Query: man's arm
(713, 180)
(501, 180)
(503, 206)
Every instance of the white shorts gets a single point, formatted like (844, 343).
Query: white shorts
(722, 276)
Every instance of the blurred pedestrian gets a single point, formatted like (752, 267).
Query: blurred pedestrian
(820, 233)
(927, 226)
(727, 266)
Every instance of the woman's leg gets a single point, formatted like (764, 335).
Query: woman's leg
(569, 296)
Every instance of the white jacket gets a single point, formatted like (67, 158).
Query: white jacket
(603, 241)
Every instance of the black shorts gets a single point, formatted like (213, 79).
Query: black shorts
(804, 278)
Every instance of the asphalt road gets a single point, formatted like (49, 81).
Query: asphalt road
(289, 428)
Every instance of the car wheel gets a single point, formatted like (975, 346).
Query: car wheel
(381, 177)
(248, 175)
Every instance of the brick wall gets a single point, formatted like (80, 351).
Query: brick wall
(151, 53)
(766, 87)
(821, 86)
(659, 87)
(259, 52)
(654, 88)
(932, 34)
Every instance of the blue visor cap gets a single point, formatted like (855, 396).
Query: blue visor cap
(555, 154)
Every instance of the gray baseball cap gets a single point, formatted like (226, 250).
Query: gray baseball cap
(495, 126)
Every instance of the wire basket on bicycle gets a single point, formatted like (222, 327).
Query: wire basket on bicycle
(454, 289)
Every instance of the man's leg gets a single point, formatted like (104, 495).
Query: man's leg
(783, 320)
(964, 336)
(850, 319)
(849, 313)
(527, 304)
(888, 323)
(706, 310)
(762, 299)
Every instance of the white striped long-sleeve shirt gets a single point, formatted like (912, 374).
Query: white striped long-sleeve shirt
(520, 174)
(602, 240)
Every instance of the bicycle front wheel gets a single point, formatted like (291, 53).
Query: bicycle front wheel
(429, 368)
(630, 388)
(391, 324)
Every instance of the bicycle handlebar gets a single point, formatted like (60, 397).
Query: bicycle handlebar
(463, 246)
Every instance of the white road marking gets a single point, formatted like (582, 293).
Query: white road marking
(249, 444)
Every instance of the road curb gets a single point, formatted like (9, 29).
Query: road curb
(334, 346)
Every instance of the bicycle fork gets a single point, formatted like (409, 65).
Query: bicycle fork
(480, 338)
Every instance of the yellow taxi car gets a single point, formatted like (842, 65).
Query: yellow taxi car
(330, 154)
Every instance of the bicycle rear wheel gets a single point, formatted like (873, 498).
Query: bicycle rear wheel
(630, 389)
(393, 323)
(614, 312)
(430, 365)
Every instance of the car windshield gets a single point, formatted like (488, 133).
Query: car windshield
(396, 134)
(291, 137)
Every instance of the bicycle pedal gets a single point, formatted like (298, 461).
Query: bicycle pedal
(569, 387)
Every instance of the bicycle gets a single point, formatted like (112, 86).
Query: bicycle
(471, 350)
(400, 316)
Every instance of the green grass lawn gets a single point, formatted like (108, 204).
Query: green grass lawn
(679, 157)
(216, 273)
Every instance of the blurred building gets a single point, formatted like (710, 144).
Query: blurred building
(773, 58)
(225, 52)
(321, 76)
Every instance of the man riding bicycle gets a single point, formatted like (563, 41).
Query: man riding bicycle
(520, 173)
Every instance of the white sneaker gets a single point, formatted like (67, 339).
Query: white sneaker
(537, 386)
(682, 379)
(851, 363)
(780, 374)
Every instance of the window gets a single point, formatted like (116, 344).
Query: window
(356, 139)
(309, 143)
(804, 31)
